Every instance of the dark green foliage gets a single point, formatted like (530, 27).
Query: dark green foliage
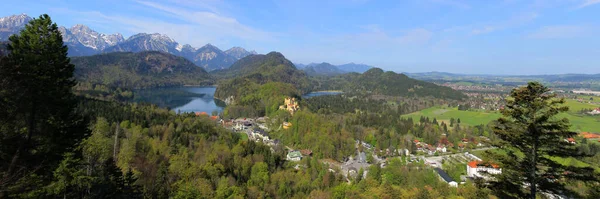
(259, 84)
(139, 70)
(259, 69)
(531, 137)
(37, 119)
(393, 84)
(3, 48)
(377, 82)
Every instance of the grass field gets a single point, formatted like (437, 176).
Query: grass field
(244, 136)
(471, 118)
(575, 106)
(596, 99)
(579, 122)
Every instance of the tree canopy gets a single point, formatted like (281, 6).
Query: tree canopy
(532, 137)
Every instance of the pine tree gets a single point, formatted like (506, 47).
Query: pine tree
(531, 137)
(37, 119)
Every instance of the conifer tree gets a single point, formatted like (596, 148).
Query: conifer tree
(532, 136)
(37, 119)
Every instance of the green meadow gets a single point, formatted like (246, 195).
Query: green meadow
(579, 122)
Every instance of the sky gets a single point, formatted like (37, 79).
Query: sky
(507, 37)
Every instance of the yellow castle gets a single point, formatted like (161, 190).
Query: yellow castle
(290, 105)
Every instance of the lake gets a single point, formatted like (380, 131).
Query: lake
(194, 99)
(320, 93)
(182, 99)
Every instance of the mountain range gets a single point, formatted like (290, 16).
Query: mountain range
(83, 41)
(315, 69)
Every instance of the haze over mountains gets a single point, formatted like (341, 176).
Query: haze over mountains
(327, 69)
(83, 41)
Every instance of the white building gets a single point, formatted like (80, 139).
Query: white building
(294, 156)
(478, 169)
(441, 148)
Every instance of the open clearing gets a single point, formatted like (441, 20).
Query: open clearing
(579, 122)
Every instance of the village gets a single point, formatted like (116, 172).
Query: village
(257, 130)
(433, 156)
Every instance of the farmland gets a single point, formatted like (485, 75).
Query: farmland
(579, 122)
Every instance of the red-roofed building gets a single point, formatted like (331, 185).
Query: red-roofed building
(201, 113)
(476, 169)
(306, 152)
(588, 135)
(570, 140)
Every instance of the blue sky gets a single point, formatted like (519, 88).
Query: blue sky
(458, 36)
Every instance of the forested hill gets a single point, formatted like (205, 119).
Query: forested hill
(377, 82)
(257, 84)
(259, 69)
(273, 64)
(390, 83)
(139, 70)
(323, 69)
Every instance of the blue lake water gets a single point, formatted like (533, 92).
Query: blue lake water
(320, 93)
(184, 99)
(193, 99)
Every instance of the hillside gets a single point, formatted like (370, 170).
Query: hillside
(272, 67)
(323, 69)
(376, 81)
(257, 84)
(139, 70)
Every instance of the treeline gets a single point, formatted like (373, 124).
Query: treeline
(103, 92)
(328, 104)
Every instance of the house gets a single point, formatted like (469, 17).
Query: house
(570, 140)
(477, 169)
(588, 135)
(441, 148)
(306, 152)
(366, 145)
(260, 134)
(445, 177)
(201, 113)
(238, 126)
(596, 111)
(294, 156)
(430, 150)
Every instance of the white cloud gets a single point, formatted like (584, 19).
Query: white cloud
(212, 20)
(587, 3)
(560, 31)
(197, 24)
